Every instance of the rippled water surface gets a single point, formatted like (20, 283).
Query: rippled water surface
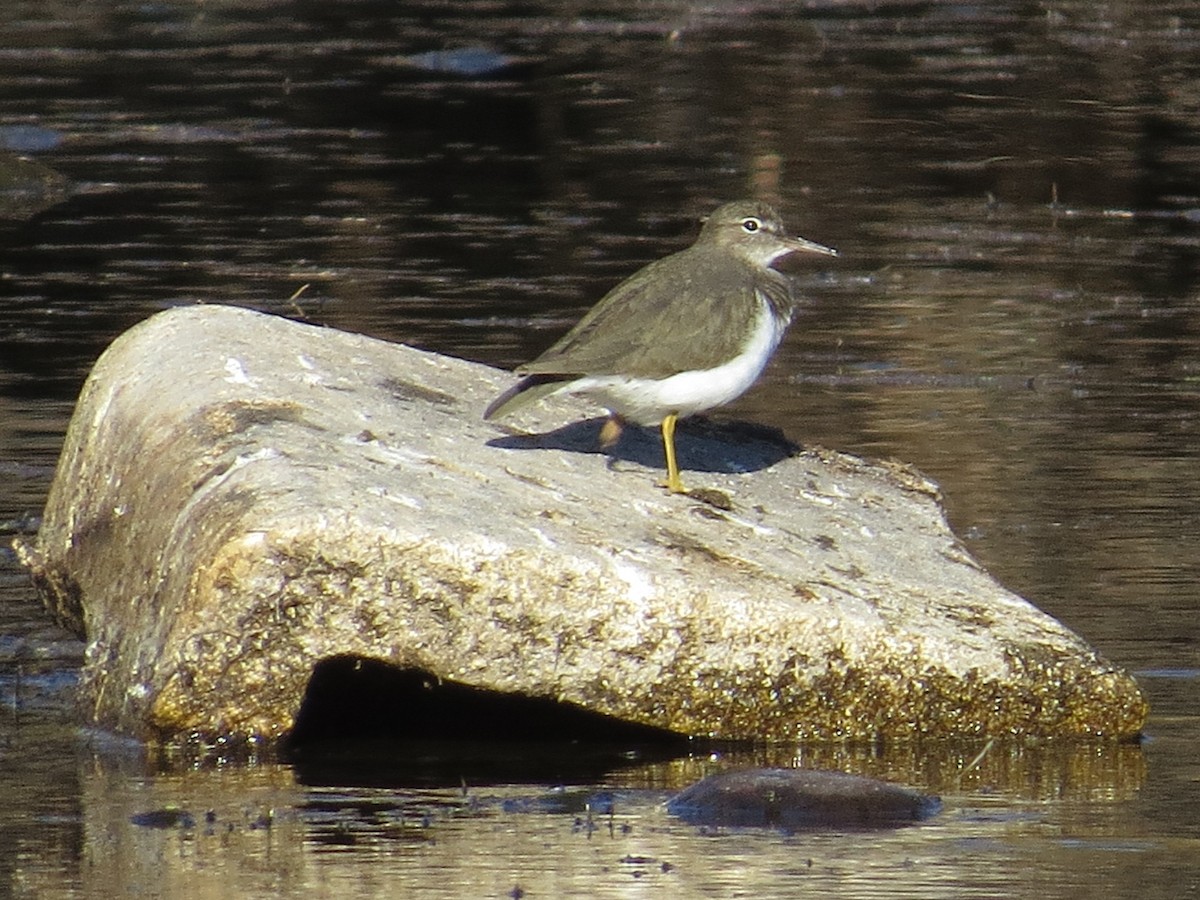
(1015, 192)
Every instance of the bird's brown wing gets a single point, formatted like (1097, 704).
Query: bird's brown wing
(676, 314)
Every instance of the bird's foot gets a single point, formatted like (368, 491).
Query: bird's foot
(674, 484)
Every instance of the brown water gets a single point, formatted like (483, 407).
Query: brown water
(1015, 189)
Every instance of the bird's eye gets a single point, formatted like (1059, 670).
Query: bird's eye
(751, 225)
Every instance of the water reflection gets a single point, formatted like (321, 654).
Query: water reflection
(1014, 192)
(219, 829)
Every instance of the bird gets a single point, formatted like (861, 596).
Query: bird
(687, 333)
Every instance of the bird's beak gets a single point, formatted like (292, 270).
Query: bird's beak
(800, 245)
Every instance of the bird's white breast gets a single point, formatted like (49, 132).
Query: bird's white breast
(648, 401)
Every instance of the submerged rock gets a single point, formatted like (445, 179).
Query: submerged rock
(27, 187)
(799, 799)
(241, 497)
(468, 61)
(164, 818)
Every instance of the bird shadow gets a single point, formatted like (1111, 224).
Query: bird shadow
(701, 445)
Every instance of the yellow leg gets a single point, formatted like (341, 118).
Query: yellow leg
(674, 485)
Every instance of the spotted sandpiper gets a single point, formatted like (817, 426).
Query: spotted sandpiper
(687, 333)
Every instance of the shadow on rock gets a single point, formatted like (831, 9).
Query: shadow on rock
(800, 799)
(702, 445)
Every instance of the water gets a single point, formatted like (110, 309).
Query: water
(1014, 191)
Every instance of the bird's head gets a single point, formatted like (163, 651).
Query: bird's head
(754, 231)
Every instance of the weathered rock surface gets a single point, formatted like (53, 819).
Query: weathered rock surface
(241, 497)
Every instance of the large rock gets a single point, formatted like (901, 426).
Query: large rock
(241, 497)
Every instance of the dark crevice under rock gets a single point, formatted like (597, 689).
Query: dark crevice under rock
(365, 719)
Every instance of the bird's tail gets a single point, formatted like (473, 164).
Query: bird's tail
(528, 390)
